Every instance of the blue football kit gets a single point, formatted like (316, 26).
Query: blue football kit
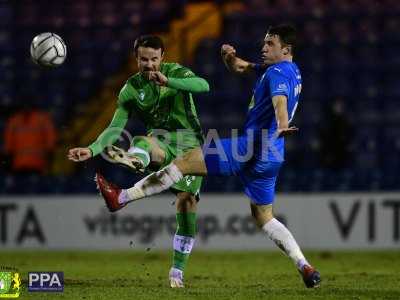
(256, 156)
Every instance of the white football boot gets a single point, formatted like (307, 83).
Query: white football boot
(123, 158)
(176, 278)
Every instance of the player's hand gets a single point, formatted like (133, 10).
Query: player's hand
(228, 51)
(282, 132)
(79, 154)
(158, 78)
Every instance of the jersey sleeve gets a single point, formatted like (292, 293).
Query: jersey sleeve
(179, 71)
(182, 78)
(111, 134)
(278, 84)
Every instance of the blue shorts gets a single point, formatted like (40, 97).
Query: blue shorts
(258, 176)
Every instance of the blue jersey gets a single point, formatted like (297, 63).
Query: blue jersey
(258, 171)
(279, 79)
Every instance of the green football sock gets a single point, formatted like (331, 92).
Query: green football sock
(141, 149)
(184, 238)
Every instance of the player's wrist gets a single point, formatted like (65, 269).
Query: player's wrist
(168, 83)
(90, 151)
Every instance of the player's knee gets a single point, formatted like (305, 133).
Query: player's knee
(262, 214)
(186, 202)
(183, 162)
(192, 163)
(186, 157)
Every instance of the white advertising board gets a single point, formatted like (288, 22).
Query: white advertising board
(318, 221)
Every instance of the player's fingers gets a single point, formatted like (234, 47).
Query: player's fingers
(228, 51)
(154, 76)
(71, 154)
(230, 54)
(160, 76)
(225, 48)
(72, 158)
(83, 155)
(78, 154)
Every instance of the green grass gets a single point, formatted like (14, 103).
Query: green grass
(211, 275)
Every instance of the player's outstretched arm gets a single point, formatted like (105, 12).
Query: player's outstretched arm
(111, 134)
(234, 63)
(281, 115)
(191, 84)
(108, 136)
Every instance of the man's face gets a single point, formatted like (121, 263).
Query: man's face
(149, 59)
(272, 52)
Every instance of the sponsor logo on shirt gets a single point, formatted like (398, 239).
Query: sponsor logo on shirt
(141, 95)
(282, 87)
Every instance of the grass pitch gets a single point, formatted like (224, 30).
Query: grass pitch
(211, 275)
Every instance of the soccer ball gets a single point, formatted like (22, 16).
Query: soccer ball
(48, 49)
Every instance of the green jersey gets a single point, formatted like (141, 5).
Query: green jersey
(169, 108)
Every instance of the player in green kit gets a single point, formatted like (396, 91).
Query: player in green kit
(160, 95)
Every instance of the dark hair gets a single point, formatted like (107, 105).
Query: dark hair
(151, 41)
(287, 35)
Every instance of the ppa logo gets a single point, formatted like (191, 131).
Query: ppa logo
(46, 282)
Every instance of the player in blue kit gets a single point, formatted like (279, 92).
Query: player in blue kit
(256, 156)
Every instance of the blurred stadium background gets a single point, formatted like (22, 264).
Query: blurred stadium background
(349, 119)
(348, 50)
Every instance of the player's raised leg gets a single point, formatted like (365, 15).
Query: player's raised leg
(143, 151)
(192, 162)
(184, 238)
(283, 238)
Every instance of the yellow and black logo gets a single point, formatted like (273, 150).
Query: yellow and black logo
(10, 284)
